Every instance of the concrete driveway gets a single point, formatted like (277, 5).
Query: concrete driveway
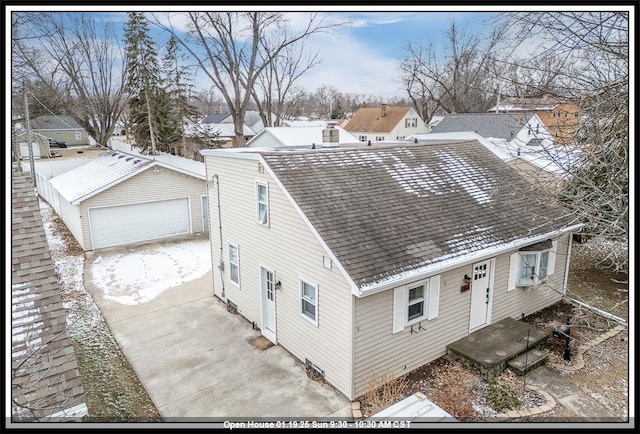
(193, 357)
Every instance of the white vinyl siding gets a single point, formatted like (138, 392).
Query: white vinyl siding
(415, 302)
(290, 249)
(234, 264)
(509, 302)
(376, 318)
(148, 186)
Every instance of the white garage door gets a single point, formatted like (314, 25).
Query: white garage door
(133, 223)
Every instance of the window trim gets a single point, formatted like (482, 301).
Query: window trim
(536, 272)
(301, 282)
(235, 246)
(516, 281)
(431, 297)
(425, 302)
(258, 203)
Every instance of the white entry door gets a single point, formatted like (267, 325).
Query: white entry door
(267, 289)
(481, 295)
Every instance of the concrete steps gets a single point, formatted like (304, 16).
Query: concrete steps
(527, 361)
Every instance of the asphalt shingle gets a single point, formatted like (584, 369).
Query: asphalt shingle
(387, 210)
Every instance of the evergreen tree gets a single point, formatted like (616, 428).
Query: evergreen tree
(178, 90)
(142, 81)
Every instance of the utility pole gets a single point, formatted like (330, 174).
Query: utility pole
(29, 144)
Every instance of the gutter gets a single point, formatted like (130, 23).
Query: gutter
(441, 267)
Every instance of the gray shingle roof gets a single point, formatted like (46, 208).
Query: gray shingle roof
(387, 210)
(55, 122)
(215, 118)
(499, 126)
(45, 374)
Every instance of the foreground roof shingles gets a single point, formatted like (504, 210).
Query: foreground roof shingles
(388, 210)
(44, 372)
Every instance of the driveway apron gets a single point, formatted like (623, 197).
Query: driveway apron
(197, 362)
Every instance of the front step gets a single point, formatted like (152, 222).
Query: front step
(528, 361)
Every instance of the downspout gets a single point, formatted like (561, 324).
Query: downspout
(566, 264)
(221, 263)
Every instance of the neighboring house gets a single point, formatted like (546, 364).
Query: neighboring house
(561, 117)
(544, 166)
(364, 260)
(217, 118)
(385, 123)
(226, 133)
(277, 137)
(45, 380)
(118, 199)
(306, 123)
(62, 128)
(510, 131)
(435, 120)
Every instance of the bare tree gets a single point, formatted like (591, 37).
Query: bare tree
(227, 48)
(75, 49)
(595, 73)
(277, 80)
(457, 77)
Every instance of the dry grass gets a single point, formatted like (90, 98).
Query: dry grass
(383, 390)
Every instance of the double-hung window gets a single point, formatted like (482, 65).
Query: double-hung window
(415, 302)
(411, 123)
(309, 301)
(532, 264)
(234, 264)
(262, 203)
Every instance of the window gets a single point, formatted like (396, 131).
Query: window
(234, 264)
(411, 123)
(415, 302)
(379, 138)
(309, 301)
(399, 137)
(362, 138)
(532, 264)
(262, 203)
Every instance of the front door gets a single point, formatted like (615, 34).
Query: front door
(480, 295)
(267, 285)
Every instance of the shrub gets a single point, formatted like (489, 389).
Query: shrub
(502, 397)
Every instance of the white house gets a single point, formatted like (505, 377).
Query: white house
(275, 137)
(385, 123)
(368, 259)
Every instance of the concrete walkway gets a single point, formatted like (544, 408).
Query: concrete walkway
(196, 360)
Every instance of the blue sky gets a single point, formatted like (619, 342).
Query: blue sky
(361, 58)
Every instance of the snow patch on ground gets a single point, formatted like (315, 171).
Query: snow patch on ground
(135, 278)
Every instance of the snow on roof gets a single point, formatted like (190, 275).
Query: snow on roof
(304, 123)
(228, 130)
(500, 152)
(300, 136)
(386, 211)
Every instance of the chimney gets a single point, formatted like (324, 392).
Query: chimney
(383, 110)
(330, 135)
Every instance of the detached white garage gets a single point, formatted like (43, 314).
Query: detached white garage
(120, 199)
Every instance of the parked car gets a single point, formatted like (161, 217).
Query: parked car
(53, 143)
